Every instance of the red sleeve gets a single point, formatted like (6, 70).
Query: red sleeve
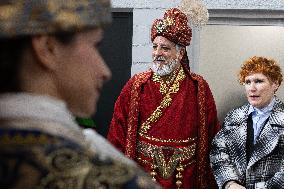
(213, 126)
(118, 127)
(212, 120)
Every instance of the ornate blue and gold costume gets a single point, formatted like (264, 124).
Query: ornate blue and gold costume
(40, 151)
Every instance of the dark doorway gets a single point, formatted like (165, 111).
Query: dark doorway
(116, 49)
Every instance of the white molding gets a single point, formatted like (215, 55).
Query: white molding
(246, 17)
(243, 17)
(122, 10)
(210, 4)
(245, 4)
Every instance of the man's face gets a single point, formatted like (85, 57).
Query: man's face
(165, 56)
(82, 72)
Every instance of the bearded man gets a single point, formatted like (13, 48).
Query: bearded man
(165, 118)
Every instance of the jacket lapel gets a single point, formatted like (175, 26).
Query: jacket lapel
(238, 137)
(268, 138)
(266, 142)
(240, 142)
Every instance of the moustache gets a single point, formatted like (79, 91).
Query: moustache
(159, 58)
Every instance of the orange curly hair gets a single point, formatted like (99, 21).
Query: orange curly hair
(267, 67)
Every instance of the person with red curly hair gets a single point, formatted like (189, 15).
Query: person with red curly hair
(165, 118)
(248, 152)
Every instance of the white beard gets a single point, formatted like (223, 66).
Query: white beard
(164, 69)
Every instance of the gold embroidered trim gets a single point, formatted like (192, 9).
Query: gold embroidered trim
(203, 164)
(165, 169)
(60, 164)
(149, 163)
(132, 121)
(166, 81)
(203, 148)
(29, 139)
(73, 169)
(164, 104)
(169, 140)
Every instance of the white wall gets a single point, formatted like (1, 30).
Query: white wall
(222, 51)
(216, 52)
(145, 11)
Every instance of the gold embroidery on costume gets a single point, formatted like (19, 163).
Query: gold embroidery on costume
(202, 164)
(165, 169)
(165, 160)
(168, 140)
(167, 82)
(23, 140)
(133, 113)
(71, 169)
(166, 102)
(53, 165)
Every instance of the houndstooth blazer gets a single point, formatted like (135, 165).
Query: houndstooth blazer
(265, 168)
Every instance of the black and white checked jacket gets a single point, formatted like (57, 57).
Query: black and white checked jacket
(265, 168)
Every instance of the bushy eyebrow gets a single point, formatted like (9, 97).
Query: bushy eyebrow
(163, 45)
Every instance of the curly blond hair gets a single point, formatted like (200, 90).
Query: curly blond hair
(267, 67)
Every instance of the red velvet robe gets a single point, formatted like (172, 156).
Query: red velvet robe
(189, 121)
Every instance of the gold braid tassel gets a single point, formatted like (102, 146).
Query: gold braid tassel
(179, 176)
(153, 173)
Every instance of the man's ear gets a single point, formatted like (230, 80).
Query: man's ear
(44, 50)
(181, 53)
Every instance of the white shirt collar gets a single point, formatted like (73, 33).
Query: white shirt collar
(264, 110)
